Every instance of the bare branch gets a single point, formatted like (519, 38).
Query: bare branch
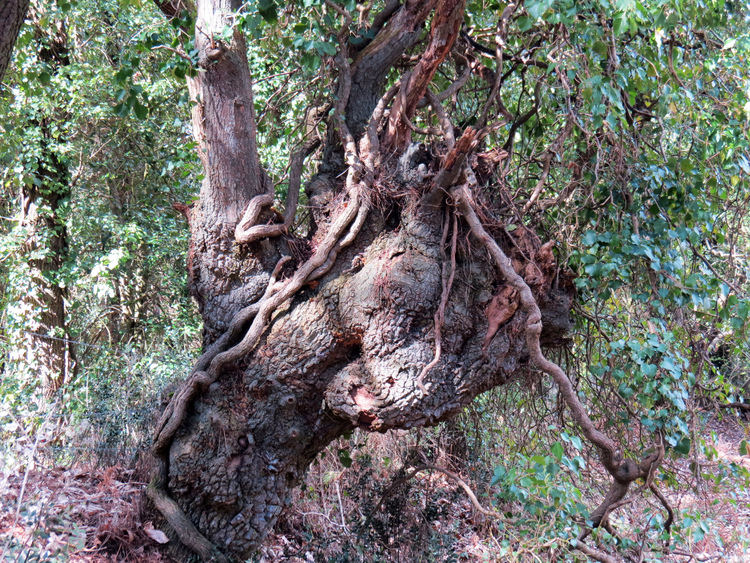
(454, 86)
(178, 52)
(500, 38)
(523, 119)
(445, 123)
(592, 552)
(666, 505)
(401, 480)
(444, 29)
(553, 150)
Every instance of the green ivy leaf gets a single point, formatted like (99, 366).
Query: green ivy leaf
(557, 450)
(141, 111)
(683, 446)
(345, 458)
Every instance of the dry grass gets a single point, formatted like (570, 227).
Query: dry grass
(89, 514)
(79, 514)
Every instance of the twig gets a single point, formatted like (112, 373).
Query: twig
(177, 52)
(401, 480)
(341, 506)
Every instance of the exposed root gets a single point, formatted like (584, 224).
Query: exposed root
(247, 230)
(186, 530)
(174, 414)
(247, 227)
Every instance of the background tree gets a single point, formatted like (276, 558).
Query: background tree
(92, 262)
(12, 15)
(46, 349)
(420, 279)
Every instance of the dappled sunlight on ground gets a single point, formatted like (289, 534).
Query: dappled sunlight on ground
(93, 515)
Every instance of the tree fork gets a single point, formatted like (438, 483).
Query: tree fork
(237, 436)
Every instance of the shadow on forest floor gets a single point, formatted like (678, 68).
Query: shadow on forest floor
(84, 513)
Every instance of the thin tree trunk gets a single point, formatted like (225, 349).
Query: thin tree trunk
(46, 340)
(223, 277)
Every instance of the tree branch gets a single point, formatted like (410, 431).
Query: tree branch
(446, 23)
(500, 38)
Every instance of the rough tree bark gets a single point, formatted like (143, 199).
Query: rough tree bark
(12, 14)
(390, 323)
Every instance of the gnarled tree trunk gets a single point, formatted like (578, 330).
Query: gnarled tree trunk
(393, 321)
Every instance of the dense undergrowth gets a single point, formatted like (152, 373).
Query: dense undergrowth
(81, 481)
(661, 258)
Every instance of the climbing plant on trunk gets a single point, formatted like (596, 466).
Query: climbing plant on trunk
(42, 343)
(423, 274)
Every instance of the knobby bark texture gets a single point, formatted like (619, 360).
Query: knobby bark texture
(45, 345)
(401, 313)
(12, 14)
(222, 278)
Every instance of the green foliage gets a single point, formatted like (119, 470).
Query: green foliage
(654, 228)
(124, 268)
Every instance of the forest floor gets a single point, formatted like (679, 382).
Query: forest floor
(84, 513)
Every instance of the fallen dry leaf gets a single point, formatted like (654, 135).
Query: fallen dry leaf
(156, 535)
